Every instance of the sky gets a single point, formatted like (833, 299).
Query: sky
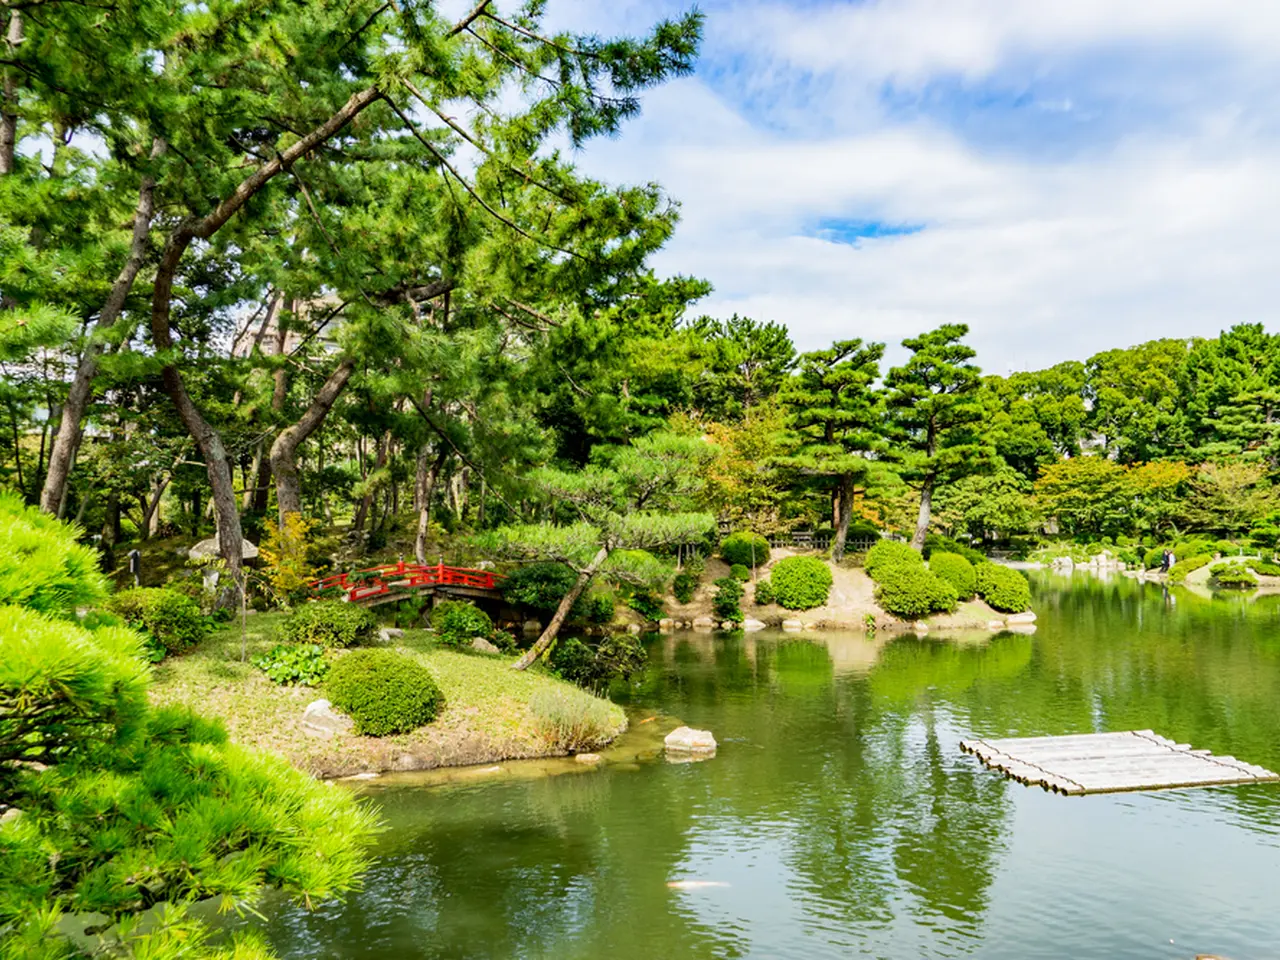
(1064, 176)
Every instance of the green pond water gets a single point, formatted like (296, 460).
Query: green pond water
(840, 818)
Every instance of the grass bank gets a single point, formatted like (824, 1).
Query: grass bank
(491, 712)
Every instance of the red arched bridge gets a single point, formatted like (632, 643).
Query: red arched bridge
(394, 581)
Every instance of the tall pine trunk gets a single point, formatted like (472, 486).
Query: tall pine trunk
(922, 519)
(425, 490)
(844, 511)
(9, 96)
(362, 511)
(284, 451)
(562, 612)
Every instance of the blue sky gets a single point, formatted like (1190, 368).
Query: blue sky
(1064, 177)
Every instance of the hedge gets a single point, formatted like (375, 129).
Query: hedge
(937, 543)
(914, 591)
(737, 548)
(171, 619)
(1004, 589)
(801, 583)
(384, 692)
(330, 623)
(957, 571)
(890, 553)
(1233, 576)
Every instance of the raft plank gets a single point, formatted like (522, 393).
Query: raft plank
(1111, 762)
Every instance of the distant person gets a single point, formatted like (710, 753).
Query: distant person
(1166, 561)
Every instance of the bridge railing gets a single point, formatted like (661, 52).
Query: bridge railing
(377, 581)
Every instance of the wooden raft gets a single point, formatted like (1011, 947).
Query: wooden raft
(1111, 762)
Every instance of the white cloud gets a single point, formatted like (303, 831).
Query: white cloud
(1165, 229)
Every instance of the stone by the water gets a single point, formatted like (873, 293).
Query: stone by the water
(387, 634)
(587, 758)
(703, 623)
(319, 719)
(995, 624)
(482, 645)
(1025, 617)
(920, 627)
(531, 626)
(689, 740)
(792, 625)
(666, 625)
(751, 625)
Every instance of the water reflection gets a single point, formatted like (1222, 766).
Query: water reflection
(839, 816)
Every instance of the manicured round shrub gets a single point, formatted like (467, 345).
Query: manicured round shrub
(330, 623)
(598, 608)
(914, 591)
(384, 692)
(457, 622)
(937, 543)
(684, 586)
(801, 583)
(1265, 567)
(1195, 548)
(1227, 548)
(740, 572)
(738, 547)
(764, 593)
(1004, 589)
(890, 553)
(957, 571)
(172, 620)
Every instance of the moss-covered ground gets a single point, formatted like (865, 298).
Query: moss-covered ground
(487, 715)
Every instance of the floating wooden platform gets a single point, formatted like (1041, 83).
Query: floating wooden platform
(1111, 762)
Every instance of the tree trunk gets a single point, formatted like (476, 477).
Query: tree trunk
(553, 628)
(844, 510)
(284, 451)
(67, 442)
(426, 488)
(8, 106)
(922, 521)
(362, 512)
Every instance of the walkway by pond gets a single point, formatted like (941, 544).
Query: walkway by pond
(840, 817)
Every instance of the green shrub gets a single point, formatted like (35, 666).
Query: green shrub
(957, 571)
(1195, 548)
(1233, 576)
(505, 641)
(738, 548)
(937, 543)
(411, 613)
(890, 553)
(801, 583)
(1227, 548)
(171, 620)
(598, 608)
(1265, 567)
(1130, 557)
(646, 604)
(571, 720)
(696, 565)
(764, 593)
(914, 591)
(684, 586)
(457, 622)
(42, 567)
(384, 692)
(1178, 572)
(740, 572)
(1004, 589)
(330, 623)
(538, 586)
(596, 664)
(301, 663)
(727, 603)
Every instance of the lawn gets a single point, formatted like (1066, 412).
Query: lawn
(487, 715)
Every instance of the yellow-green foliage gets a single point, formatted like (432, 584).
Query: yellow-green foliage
(1178, 572)
(1004, 588)
(284, 557)
(890, 553)
(42, 567)
(801, 583)
(572, 720)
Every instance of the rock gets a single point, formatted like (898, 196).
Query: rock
(688, 740)
(1025, 617)
(361, 776)
(920, 627)
(811, 626)
(531, 626)
(321, 720)
(1063, 563)
(483, 646)
(387, 634)
(666, 625)
(728, 625)
(634, 628)
(751, 625)
(10, 814)
(995, 624)
(587, 758)
(1023, 628)
(703, 623)
(484, 565)
(792, 625)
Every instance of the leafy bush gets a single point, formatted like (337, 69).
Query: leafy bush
(42, 567)
(301, 663)
(801, 583)
(330, 623)
(646, 604)
(914, 591)
(1265, 567)
(1233, 576)
(412, 612)
(570, 720)
(285, 563)
(458, 621)
(1130, 557)
(1004, 589)
(740, 572)
(957, 571)
(890, 553)
(384, 692)
(737, 548)
(598, 608)
(1227, 548)
(505, 641)
(1195, 548)
(937, 543)
(696, 565)
(1152, 559)
(172, 620)
(727, 602)
(591, 665)
(538, 586)
(764, 593)
(684, 586)
(1178, 572)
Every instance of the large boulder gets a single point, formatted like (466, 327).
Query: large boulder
(531, 626)
(791, 626)
(319, 719)
(689, 740)
(481, 645)
(666, 624)
(751, 625)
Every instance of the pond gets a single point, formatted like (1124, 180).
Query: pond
(840, 817)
